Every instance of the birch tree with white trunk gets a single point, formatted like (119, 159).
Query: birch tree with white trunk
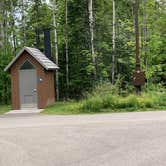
(2, 35)
(113, 41)
(23, 21)
(91, 26)
(12, 13)
(54, 6)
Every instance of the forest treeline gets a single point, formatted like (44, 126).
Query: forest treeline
(91, 42)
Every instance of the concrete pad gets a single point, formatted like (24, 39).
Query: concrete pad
(24, 111)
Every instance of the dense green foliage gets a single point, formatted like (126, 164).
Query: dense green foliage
(111, 97)
(5, 57)
(4, 109)
(17, 31)
(107, 98)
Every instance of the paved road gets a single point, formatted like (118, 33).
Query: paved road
(126, 139)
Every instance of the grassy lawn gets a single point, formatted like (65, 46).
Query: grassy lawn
(62, 108)
(68, 108)
(4, 109)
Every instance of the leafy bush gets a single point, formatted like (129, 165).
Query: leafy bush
(107, 96)
(5, 92)
(92, 104)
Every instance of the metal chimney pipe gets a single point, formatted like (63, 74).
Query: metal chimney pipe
(47, 43)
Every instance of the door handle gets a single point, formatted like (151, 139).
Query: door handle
(34, 90)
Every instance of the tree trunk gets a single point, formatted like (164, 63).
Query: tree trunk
(23, 22)
(145, 34)
(56, 46)
(13, 25)
(113, 42)
(91, 22)
(137, 35)
(3, 24)
(137, 66)
(2, 35)
(67, 49)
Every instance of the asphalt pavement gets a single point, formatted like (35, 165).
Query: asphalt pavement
(120, 139)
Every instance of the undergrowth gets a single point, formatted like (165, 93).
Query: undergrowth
(110, 98)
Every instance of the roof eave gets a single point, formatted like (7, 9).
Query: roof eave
(29, 51)
(49, 69)
(7, 68)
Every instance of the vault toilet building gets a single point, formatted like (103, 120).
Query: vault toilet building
(32, 79)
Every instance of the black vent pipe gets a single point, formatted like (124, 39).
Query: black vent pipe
(47, 43)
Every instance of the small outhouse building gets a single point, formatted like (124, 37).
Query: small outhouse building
(32, 79)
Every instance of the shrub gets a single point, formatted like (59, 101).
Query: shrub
(107, 96)
(127, 102)
(109, 101)
(160, 101)
(93, 104)
(102, 89)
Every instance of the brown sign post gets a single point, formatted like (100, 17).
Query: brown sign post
(138, 75)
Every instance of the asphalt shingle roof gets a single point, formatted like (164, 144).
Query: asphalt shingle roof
(38, 55)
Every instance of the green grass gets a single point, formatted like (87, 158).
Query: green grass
(117, 103)
(63, 108)
(111, 103)
(107, 99)
(4, 109)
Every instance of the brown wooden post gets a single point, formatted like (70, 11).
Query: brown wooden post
(138, 76)
(137, 36)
